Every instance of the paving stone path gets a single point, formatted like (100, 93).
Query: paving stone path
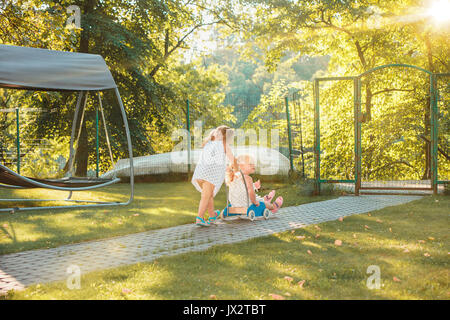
(19, 270)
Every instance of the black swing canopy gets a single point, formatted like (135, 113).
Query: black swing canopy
(42, 69)
(25, 68)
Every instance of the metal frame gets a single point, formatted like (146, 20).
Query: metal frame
(71, 158)
(297, 112)
(434, 117)
(288, 120)
(357, 129)
(188, 128)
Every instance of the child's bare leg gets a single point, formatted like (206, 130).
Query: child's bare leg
(268, 197)
(207, 193)
(275, 205)
(269, 205)
(211, 207)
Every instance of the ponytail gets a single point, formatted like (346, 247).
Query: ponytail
(212, 135)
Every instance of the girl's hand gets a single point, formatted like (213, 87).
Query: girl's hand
(257, 185)
(231, 158)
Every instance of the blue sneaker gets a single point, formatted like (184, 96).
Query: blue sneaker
(200, 222)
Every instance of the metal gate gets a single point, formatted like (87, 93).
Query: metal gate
(359, 118)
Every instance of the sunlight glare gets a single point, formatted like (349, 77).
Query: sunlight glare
(440, 10)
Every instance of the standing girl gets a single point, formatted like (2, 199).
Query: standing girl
(209, 173)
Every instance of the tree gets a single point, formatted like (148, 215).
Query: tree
(359, 36)
(140, 42)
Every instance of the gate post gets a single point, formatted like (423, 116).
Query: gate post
(357, 120)
(291, 163)
(317, 137)
(97, 148)
(188, 128)
(434, 132)
(18, 140)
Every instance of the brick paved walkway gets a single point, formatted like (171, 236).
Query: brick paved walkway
(21, 269)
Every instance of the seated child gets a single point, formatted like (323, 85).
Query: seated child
(237, 192)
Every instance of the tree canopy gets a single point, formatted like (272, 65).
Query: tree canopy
(269, 49)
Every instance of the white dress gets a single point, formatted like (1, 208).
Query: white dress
(211, 166)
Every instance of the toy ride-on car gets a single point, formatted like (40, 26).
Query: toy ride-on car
(250, 212)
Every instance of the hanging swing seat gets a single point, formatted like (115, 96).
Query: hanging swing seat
(35, 69)
(9, 178)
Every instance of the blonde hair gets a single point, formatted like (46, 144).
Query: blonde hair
(222, 129)
(245, 159)
(231, 171)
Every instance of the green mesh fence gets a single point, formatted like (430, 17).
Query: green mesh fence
(302, 128)
(30, 149)
(264, 123)
(443, 88)
(396, 129)
(22, 152)
(398, 122)
(336, 130)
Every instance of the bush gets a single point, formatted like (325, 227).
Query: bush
(306, 187)
(447, 189)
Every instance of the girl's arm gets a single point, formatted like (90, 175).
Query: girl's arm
(250, 190)
(230, 156)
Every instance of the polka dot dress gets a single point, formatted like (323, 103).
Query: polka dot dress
(211, 166)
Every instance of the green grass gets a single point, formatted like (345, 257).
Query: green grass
(155, 206)
(256, 269)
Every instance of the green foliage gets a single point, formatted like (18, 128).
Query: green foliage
(447, 189)
(36, 23)
(358, 36)
(306, 187)
(141, 42)
(250, 80)
(47, 161)
(277, 46)
(203, 87)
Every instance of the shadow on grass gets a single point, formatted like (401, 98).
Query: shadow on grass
(162, 205)
(257, 268)
(156, 205)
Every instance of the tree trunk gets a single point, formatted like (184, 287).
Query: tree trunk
(426, 119)
(82, 154)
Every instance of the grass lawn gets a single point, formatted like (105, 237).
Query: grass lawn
(156, 205)
(409, 243)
